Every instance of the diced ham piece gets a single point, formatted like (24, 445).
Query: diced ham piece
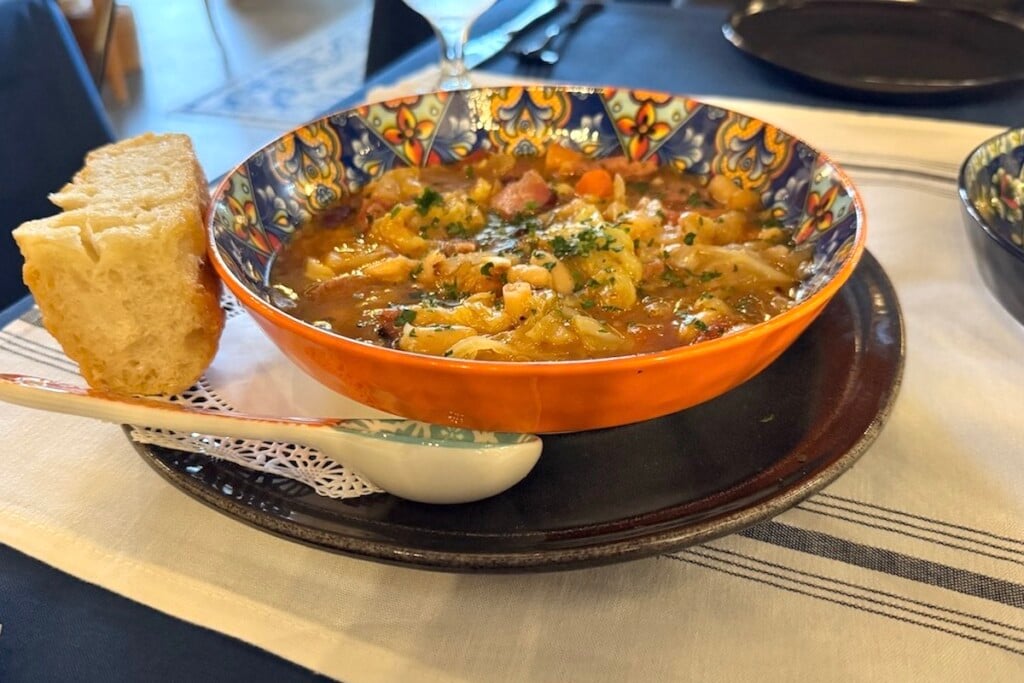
(453, 247)
(386, 324)
(370, 210)
(337, 288)
(653, 269)
(526, 195)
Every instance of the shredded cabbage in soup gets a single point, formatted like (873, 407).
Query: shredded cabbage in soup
(553, 258)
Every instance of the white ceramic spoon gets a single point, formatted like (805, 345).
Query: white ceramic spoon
(413, 460)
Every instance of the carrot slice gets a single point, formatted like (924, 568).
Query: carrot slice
(595, 183)
(559, 159)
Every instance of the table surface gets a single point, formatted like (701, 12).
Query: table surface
(56, 627)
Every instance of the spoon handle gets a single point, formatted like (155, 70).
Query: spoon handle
(44, 394)
(399, 456)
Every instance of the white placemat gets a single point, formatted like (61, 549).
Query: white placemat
(909, 567)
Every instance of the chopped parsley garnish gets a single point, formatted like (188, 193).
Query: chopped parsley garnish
(671, 277)
(587, 303)
(523, 220)
(694, 199)
(428, 198)
(405, 316)
(772, 223)
(470, 172)
(562, 247)
(485, 269)
(582, 243)
(689, 238)
(692, 321)
(456, 230)
(709, 275)
(395, 209)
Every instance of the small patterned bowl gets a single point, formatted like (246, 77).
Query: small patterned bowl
(992, 202)
(261, 204)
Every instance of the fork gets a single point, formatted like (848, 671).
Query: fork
(546, 53)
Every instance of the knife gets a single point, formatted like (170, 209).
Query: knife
(479, 50)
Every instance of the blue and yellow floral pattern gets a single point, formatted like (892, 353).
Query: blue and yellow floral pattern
(308, 159)
(408, 125)
(420, 433)
(993, 177)
(523, 120)
(261, 204)
(645, 120)
(750, 152)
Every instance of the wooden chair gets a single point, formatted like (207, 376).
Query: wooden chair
(106, 36)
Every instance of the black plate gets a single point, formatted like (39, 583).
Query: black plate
(884, 47)
(615, 494)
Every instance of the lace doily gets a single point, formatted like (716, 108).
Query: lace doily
(299, 463)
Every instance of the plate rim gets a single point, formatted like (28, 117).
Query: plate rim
(886, 88)
(599, 552)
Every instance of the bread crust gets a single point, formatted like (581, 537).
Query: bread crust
(121, 275)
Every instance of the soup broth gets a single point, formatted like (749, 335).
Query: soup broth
(540, 259)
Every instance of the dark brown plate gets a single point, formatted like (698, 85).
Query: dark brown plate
(889, 48)
(617, 494)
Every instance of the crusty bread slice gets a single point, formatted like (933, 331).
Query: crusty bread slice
(146, 171)
(122, 282)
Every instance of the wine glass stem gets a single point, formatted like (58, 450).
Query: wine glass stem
(452, 36)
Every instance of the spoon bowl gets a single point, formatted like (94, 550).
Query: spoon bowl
(413, 460)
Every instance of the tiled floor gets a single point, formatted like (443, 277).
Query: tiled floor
(207, 66)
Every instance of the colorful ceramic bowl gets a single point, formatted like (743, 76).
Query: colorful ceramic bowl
(992, 203)
(263, 202)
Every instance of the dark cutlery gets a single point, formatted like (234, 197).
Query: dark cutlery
(547, 51)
